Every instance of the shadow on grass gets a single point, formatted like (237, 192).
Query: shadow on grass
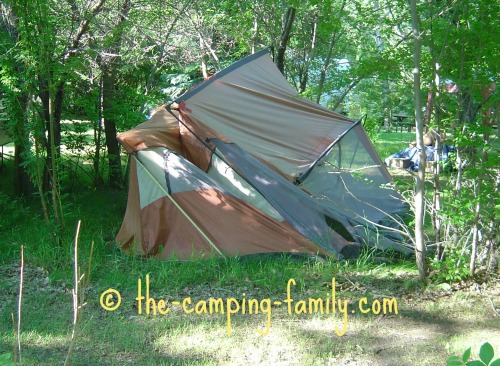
(55, 355)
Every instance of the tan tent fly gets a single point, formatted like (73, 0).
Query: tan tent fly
(241, 164)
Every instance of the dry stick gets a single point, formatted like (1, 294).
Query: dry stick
(14, 349)
(404, 232)
(493, 306)
(75, 298)
(21, 279)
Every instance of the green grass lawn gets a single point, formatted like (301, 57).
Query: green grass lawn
(433, 321)
(388, 143)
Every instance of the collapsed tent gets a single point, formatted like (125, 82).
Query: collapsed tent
(242, 165)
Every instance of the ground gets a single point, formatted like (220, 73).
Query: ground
(432, 321)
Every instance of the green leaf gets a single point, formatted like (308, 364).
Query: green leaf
(496, 362)
(453, 358)
(466, 355)
(486, 353)
(5, 359)
(475, 363)
(454, 361)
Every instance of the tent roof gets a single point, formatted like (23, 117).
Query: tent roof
(252, 104)
(161, 130)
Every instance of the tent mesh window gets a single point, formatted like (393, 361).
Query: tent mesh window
(351, 179)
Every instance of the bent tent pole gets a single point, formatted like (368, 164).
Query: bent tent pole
(306, 172)
(205, 144)
(181, 210)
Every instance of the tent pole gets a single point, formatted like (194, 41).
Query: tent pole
(181, 210)
(190, 130)
(306, 172)
(214, 151)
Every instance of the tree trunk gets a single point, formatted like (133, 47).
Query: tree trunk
(98, 181)
(255, 33)
(22, 182)
(109, 71)
(420, 249)
(52, 110)
(203, 57)
(304, 75)
(286, 29)
(344, 94)
(385, 84)
(326, 64)
(436, 195)
(115, 178)
(324, 69)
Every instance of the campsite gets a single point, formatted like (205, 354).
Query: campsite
(264, 183)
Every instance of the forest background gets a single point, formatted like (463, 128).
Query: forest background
(75, 73)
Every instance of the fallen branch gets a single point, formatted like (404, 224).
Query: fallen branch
(493, 307)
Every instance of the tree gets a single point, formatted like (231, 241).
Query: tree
(16, 98)
(109, 68)
(420, 248)
(286, 29)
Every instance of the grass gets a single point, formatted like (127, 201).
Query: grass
(388, 143)
(431, 323)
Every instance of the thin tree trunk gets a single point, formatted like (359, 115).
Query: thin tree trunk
(385, 84)
(475, 226)
(420, 249)
(54, 179)
(109, 71)
(40, 171)
(286, 30)
(326, 64)
(115, 177)
(255, 32)
(204, 70)
(304, 77)
(436, 195)
(97, 139)
(346, 91)
(22, 182)
(324, 69)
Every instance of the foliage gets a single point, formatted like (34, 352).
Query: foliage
(179, 81)
(6, 360)
(12, 210)
(453, 266)
(486, 355)
(372, 126)
(352, 56)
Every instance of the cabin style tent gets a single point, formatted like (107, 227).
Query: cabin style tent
(242, 165)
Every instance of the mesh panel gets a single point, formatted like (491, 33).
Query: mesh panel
(350, 155)
(352, 180)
